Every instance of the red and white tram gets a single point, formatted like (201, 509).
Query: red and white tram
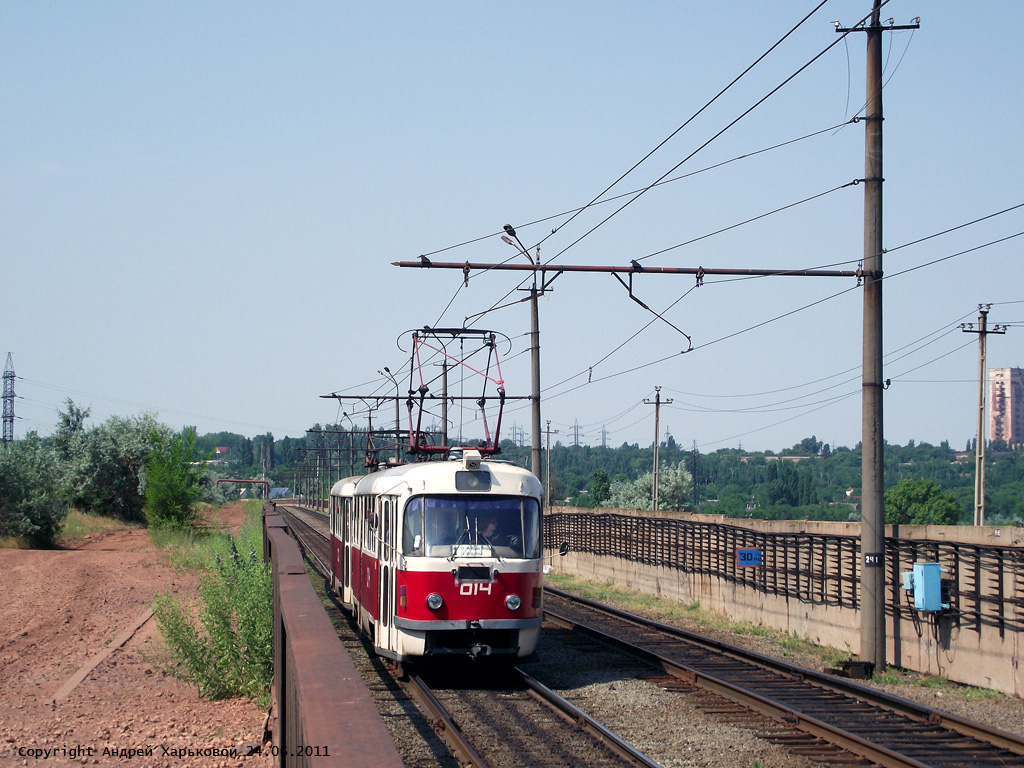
(441, 557)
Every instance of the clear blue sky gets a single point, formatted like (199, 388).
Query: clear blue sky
(200, 204)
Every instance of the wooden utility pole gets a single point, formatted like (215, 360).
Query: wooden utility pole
(979, 449)
(656, 402)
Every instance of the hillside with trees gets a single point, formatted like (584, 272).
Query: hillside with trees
(137, 469)
(810, 480)
(133, 469)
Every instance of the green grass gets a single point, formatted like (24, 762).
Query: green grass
(198, 548)
(672, 611)
(77, 525)
(222, 644)
(898, 676)
(190, 549)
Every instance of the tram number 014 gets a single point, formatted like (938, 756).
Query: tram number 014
(749, 557)
(473, 588)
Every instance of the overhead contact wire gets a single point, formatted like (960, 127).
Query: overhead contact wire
(674, 179)
(677, 130)
(746, 112)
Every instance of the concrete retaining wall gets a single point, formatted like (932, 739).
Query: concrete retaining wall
(975, 643)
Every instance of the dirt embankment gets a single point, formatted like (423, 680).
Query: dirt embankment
(63, 609)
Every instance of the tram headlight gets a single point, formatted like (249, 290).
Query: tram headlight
(512, 602)
(434, 601)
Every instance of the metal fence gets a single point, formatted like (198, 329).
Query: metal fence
(324, 715)
(986, 583)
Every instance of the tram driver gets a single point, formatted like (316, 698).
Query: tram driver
(490, 534)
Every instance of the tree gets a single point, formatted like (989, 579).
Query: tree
(104, 467)
(173, 480)
(674, 484)
(920, 502)
(600, 488)
(70, 429)
(811, 445)
(30, 506)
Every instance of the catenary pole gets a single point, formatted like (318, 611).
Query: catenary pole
(547, 473)
(535, 381)
(979, 451)
(444, 402)
(872, 627)
(872, 536)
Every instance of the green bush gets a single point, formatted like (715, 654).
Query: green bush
(173, 480)
(920, 502)
(103, 468)
(230, 651)
(30, 507)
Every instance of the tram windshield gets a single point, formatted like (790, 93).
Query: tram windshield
(471, 526)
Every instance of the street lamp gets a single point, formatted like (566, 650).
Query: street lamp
(398, 418)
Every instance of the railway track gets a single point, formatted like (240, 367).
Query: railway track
(828, 719)
(312, 531)
(516, 721)
(880, 728)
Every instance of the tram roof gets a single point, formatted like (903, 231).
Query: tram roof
(438, 477)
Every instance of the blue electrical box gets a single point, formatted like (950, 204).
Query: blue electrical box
(925, 582)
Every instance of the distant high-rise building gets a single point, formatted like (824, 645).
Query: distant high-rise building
(1006, 405)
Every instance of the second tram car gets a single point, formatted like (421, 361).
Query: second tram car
(441, 558)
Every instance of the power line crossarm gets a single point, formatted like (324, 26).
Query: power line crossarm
(634, 268)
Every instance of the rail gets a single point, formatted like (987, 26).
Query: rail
(885, 729)
(810, 567)
(324, 714)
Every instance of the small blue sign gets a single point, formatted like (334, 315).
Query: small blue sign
(749, 557)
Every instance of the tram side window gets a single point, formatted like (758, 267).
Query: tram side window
(531, 528)
(412, 530)
(371, 527)
(346, 520)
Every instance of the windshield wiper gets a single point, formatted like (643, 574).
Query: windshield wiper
(465, 533)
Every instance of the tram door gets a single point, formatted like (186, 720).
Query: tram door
(335, 516)
(368, 568)
(346, 556)
(354, 542)
(388, 515)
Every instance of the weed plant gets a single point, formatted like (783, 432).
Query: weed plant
(672, 612)
(78, 524)
(224, 644)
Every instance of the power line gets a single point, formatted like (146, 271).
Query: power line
(677, 130)
(853, 183)
(736, 120)
(589, 371)
(613, 198)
